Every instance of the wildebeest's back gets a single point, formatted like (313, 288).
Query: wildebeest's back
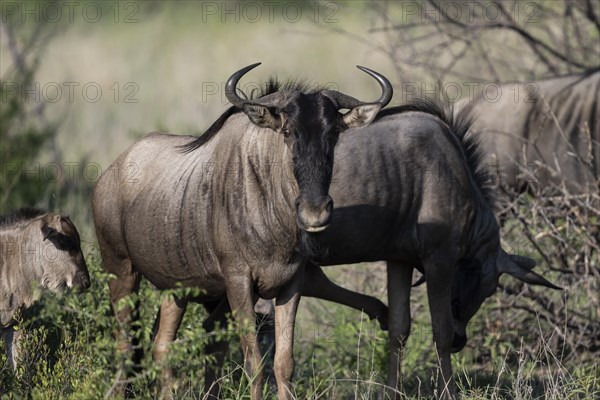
(573, 149)
(521, 128)
(414, 156)
(150, 202)
(178, 214)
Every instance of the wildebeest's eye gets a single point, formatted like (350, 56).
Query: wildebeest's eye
(286, 131)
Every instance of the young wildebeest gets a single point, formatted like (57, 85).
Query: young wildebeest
(221, 212)
(409, 189)
(37, 250)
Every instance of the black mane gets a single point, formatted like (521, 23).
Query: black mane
(273, 85)
(20, 215)
(460, 126)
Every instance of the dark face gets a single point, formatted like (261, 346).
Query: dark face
(468, 293)
(311, 124)
(476, 280)
(311, 132)
(64, 262)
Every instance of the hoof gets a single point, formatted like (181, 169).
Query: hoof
(381, 316)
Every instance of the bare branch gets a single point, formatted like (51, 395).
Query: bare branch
(591, 14)
(536, 44)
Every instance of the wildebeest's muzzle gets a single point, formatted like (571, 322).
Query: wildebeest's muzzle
(81, 280)
(314, 217)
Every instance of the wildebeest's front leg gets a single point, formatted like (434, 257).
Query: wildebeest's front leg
(12, 339)
(286, 306)
(165, 329)
(439, 294)
(241, 299)
(399, 278)
(317, 284)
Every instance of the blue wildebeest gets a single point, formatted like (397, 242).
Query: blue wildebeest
(547, 136)
(217, 213)
(38, 250)
(409, 189)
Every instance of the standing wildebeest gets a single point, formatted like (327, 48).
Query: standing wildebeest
(37, 250)
(409, 189)
(221, 212)
(548, 136)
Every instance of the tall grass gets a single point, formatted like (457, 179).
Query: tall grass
(69, 351)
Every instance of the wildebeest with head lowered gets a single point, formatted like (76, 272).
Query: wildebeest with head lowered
(225, 212)
(38, 250)
(410, 189)
(548, 136)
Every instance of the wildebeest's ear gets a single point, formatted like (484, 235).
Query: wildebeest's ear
(521, 268)
(263, 116)
(48, 231)
(361, 115)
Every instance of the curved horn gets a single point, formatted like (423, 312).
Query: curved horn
(521, 268)
(534, 279)
(342, 100)
(387, 90)
(231, 85)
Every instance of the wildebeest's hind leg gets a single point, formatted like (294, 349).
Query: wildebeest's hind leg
(399, 279)
(216, 349)
(167, 323)
(130, 353)
(317, 284)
